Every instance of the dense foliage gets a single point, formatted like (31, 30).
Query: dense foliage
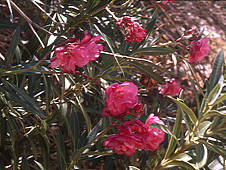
(72, 95)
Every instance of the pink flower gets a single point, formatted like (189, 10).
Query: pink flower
(120, 99)
(121, 143)
(133, 30)
(198, 50)
(171, 88)
(154, 136)
(128, 138)
(137, 110)
(164, 2)
(77, 53)
(134, 135)
(136, 129)
(153, 119)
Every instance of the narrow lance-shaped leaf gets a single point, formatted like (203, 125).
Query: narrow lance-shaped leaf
(219, 100)
(12, 46)
(183, 164)
(60, 151)
(202, 128)
(85, 114)
(74, 123)
(186, 109)
(215, 148)
(176, 132)
(25, 165)
(95, 130)
(133, 168)
(202, 155)
(217, 70)
(147, 70)
(24, 100)
(153, 51)
(216, 91)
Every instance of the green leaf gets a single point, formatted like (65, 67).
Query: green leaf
(39, 165)
(147, 70)
(202, 155)
(98, 127)
(6, 24)
(156, 39)
(20, 97)
(133, 168)
(61, 154)
(75, 130)
(45, 149)
(183, 164)
(184, 157)
(200, 34)
(152, 65)
(91, 4)
(108, 162)
(220, 99)
(85, 114)
(186, 109)
(202, 128)
(217, 70)
(215, 148)
(216, 91)
(195, 92)
(153, 51)
(12, 46)
(151, 25)
(106, 38)
(24, 164)
(176, 132)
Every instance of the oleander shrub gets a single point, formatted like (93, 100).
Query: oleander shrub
(73, 83)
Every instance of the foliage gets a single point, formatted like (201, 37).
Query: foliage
(51, 119)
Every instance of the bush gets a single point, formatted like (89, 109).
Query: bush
(73, 85)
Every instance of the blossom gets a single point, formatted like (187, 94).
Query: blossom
(164, 2)
(133, 134)
(153, 119)
(120, 99)
(136, 129)
(133, 30)
(121, 144)
(153, 137)
(171, 88)
(128, 138)
(198, 50)
(76, 53)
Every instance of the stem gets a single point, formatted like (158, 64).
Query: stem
(180, 150)
(27, 18)
(88, 15)
(112, 14)
(77, 156)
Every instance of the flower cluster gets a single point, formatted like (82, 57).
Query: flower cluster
(133, 134)
(164, 2)
(171, 87)
(198, 50)
(133, 30)
(121, 100)
(77, 53)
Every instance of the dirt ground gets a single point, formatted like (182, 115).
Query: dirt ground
(207, 15)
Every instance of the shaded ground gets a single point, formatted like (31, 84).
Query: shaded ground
(207, 15)
(180, 16)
